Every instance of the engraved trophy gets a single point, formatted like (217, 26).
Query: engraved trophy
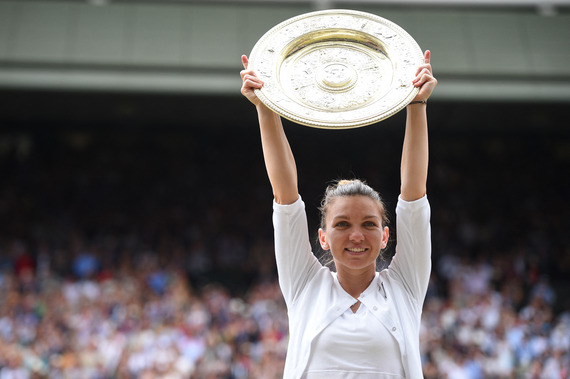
(336, 69)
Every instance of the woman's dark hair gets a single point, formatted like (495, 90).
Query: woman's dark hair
(345, 188)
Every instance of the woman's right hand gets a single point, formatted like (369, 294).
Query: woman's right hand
(250, 82)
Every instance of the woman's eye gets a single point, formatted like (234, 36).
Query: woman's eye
(341, 224)
(370, 224)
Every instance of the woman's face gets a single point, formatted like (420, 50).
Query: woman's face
(354, 233)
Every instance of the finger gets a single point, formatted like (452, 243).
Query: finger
(251, 77)
(424, 71)
(243, 73)
(422, 68)
(252, 85)
(427, 56)
(244, 61)
(421, 72)
(248, 73)
(419, 81)
(252, 82)
(422, 79)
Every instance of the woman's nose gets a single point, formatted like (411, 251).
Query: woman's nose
(356, 235)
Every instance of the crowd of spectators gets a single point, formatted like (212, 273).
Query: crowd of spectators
(149, 254)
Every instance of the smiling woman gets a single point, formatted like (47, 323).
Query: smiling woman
(354, 234)
(353, 221)
(356, 322)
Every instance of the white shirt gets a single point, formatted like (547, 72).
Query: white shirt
(351, 344)
(315, 299)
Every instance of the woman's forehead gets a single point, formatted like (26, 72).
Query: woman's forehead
(353, 205)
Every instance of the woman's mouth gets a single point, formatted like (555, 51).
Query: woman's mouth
(356, 250)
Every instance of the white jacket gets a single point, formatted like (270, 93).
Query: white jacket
(314, 297)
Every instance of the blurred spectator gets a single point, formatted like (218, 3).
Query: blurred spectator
(125, 259)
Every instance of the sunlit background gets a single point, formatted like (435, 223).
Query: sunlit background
(135, 211)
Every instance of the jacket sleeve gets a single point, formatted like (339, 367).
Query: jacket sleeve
(412, 262)
(293, 253)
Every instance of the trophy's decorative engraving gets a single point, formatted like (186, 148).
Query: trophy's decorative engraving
(336, 69)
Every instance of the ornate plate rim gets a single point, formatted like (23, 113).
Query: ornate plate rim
(270, 102)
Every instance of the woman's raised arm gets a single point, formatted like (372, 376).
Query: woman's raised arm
(279, 160)
(414, 166)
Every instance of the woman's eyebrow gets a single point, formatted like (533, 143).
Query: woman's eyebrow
(345, 217)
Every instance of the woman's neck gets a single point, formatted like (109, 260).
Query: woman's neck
(354, 283)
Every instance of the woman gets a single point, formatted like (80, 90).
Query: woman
(357, 322)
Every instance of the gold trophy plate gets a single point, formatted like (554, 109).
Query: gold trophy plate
(336, 69)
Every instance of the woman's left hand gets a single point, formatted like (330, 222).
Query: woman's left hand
(424, 79)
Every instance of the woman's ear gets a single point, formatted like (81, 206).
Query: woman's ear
(322, 240)
(385, 238)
